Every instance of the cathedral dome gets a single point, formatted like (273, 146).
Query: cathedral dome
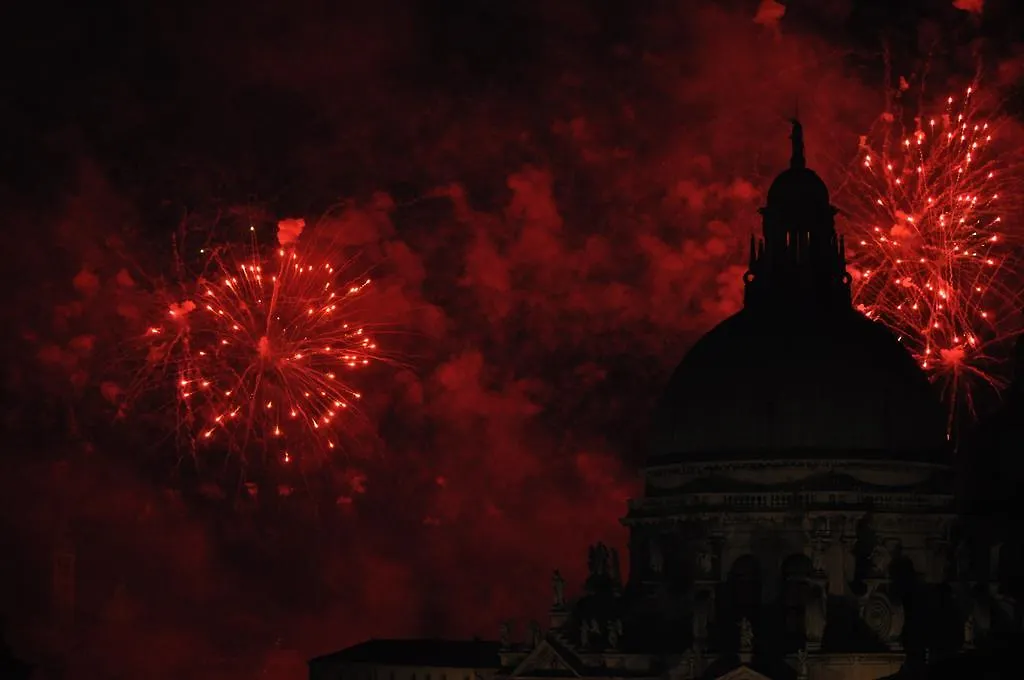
(798, 185)
(760, 386)
(799, 373)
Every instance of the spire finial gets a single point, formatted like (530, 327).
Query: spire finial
(797, 159)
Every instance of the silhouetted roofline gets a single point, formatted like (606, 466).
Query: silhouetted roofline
(436, 653)
(780, 457)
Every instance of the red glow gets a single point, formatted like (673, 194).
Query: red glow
(930, 251)
(263, 346)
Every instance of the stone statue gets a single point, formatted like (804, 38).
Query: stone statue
(700, 625)
(613, 568)
(815, 616)
(614, 633)
(589, 630)
(818, 557)
(597, 559)
(657, 557)
(705, 561)
(801, 664)
(880, 560)
(746, 635)
(505, 634)
(558, 586)
(969, 632)
(535, 634)
(595, 629)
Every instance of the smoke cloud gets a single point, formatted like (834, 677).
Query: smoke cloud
(552, 215)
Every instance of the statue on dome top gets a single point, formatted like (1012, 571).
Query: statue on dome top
(558, 586)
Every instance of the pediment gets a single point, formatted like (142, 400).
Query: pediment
(743, 673)
(547, 660)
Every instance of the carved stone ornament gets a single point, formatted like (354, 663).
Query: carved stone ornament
(818, 551)
(882, 617)
(706, 561)
(801, 664)
(880, 560)
(614, 634)
(746, 636)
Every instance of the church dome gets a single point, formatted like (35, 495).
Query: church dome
(799, 185)
(837, 387)
(798, 189)
(990, 472)
(799, 373)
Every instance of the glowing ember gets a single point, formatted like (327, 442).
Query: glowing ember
(928, 250)
(262, 346)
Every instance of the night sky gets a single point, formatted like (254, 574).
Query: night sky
(555, 199)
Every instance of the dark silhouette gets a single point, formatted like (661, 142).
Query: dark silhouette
(799, 515)
(11, 667)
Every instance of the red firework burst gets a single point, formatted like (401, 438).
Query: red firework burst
(261, 347)
(931, 250)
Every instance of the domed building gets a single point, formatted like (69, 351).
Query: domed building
(798, 518)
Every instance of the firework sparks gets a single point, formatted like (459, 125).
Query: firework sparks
(930, 252)
(262, 346)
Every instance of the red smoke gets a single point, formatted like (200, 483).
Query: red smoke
(550, 246)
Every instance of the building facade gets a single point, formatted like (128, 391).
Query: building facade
(800, 516)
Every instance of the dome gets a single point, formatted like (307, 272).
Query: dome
(990, 470)
(760, 386)
(798, 186)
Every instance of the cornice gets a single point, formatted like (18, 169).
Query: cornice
(746, 461)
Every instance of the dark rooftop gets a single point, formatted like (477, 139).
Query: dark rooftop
(430, 653)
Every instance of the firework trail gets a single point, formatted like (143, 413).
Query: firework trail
(932, 246)
(261, 348)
